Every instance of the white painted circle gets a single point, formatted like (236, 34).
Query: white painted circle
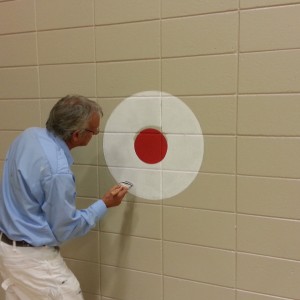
(172, 117)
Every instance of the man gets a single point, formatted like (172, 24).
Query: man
(37, 203)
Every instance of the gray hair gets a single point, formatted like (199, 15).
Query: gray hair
(71, 113)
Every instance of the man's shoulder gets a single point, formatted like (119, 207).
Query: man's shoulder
(52, 148)
(28, 139)
(33, 133)
(33, 130)
(44, 147)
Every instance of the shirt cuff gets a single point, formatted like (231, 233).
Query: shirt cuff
(100, 208)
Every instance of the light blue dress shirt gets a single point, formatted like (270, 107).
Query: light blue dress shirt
(38, 193)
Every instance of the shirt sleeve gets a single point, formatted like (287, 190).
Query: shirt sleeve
(64, 219)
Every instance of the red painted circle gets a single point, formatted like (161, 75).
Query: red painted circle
(150, 146)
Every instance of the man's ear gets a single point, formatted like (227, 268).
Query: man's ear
(73, 141)
(75, 135)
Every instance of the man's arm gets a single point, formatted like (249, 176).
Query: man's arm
(64, 219)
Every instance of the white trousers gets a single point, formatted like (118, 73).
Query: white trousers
(36, 273)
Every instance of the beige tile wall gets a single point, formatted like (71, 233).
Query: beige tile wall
(233, 234)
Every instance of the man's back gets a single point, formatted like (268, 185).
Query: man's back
(33, 157)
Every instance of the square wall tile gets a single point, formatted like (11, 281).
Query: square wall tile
(262, 3)
(136, 219)
(17, 16)
(109, 12)
(19, 83)
(127, 78)
(269, 29)
(219, 154)
(207, 191)
(269, 115)
(86, 180)
(173, 8)
(87, 273)
(178, 119)
(277, 197)
(204, 75)
(60, 80)
(91, 296)
(84, 248)
(131, 252)
(206, 34)
(106, 180)
(128, 41)
(87, 155)
(216, 114)
(18, 50)
(199, 227)
(153, 178)
(66, 46)
(64, 14)
(178, 289)
(201, 264)
(175, 181)
(262, 156)
(130, 284)
(46, 106)
(147, 112)
(270, 276)
(269, 72)
(108, 105)
(19, 114)
(268, 236)
(6, 137)
(188, 149)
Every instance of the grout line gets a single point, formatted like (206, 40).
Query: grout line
(97, 149)
(37, 63)
(268, 256)
(181, 96)
(128, 22)
(277, 218)
(269, 6)
(154, 58)
(162, 202)
(200, 282)
(236, 153)
(199, 14)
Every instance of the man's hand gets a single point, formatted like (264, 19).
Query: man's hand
(114, 196)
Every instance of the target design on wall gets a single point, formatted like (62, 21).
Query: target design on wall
(153, 140)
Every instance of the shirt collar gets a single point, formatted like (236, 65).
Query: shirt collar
(65, 148)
